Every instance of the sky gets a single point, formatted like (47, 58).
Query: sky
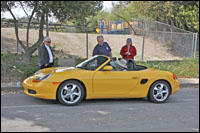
(18, 12)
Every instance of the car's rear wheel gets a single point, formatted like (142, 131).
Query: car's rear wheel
(70, 93)
(159, 92)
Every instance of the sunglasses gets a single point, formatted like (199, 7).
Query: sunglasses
(49, 42)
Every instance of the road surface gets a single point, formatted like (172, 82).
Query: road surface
(20, 112)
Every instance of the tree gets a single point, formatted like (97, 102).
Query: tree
(7, 6)
(120, 11)
(182, 14)
(75, 11)
(62, 10)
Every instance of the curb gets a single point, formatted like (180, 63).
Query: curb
(188, 85)
(11, 88)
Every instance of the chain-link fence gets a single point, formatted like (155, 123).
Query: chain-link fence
(179, 42)
(154, 40)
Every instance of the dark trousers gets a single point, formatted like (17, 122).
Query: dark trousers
(49, 65)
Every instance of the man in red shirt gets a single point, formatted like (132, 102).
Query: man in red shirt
(128, 51)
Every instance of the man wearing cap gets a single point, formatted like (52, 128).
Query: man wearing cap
(102, 48)
(46, 55)
(128, 51)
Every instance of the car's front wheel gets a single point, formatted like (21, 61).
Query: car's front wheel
(159, 92)
(70, 93)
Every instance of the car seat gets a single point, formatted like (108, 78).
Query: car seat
(131, 65)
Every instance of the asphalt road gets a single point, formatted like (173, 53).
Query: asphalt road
(20, 112)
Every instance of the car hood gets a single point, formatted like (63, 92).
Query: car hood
(63, 69)
(56, 70)
(59, 69)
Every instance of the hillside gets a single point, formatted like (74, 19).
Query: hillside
(75, 43)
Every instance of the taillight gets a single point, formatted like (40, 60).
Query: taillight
(174, 76)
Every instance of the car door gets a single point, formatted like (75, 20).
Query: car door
(114, 82)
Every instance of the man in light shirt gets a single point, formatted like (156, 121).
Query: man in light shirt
(46, 55)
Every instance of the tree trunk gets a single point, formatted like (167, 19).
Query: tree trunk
(27, 56)
(126, 21)
(41, 36)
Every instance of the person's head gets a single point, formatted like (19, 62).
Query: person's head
(47, 41)
(129, 41)
(100, 40)
(122, 63)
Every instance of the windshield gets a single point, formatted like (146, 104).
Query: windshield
(92, 63)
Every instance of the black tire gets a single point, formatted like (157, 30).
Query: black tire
(68, 93)
(158, 95)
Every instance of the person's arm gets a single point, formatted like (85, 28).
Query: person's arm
(41, 54)
(123, 52)
(134, 52)
(110, 54)
(109, 49)
(94, 51)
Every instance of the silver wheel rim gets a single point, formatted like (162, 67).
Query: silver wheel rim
(160, 92)
(71, 93)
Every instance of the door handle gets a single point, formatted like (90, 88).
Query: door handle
(134, 77)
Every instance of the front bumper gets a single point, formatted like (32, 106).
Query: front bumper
(45, 90)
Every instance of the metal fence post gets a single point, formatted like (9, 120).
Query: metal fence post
(47, 25)
(143, 40)
(17, 40)
(195, 45)
(87, 41)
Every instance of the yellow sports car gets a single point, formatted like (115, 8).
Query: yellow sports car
(100, 77)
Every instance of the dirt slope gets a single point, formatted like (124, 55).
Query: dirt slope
(75, 43)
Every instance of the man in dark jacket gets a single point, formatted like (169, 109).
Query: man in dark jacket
(46, 55)
(102, 48)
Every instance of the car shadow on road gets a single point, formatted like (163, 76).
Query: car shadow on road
(104, 101)
(94, 101)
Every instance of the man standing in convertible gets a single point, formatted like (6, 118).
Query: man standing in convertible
(128, 51)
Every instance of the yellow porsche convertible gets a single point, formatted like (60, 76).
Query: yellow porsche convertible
(99, 77)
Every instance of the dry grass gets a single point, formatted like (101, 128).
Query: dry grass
(75, 43)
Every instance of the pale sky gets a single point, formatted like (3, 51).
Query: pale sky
(18, 12)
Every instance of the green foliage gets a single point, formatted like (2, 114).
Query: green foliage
(19, 68)
(182, 14)
(186, 68)
(76, 11)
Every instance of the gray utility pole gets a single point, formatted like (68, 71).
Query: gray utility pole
(47, 25)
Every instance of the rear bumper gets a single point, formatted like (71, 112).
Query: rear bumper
(175, 86)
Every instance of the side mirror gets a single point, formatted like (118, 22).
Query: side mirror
(108, 68)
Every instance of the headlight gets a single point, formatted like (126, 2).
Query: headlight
(37, 72)
(44, 77)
